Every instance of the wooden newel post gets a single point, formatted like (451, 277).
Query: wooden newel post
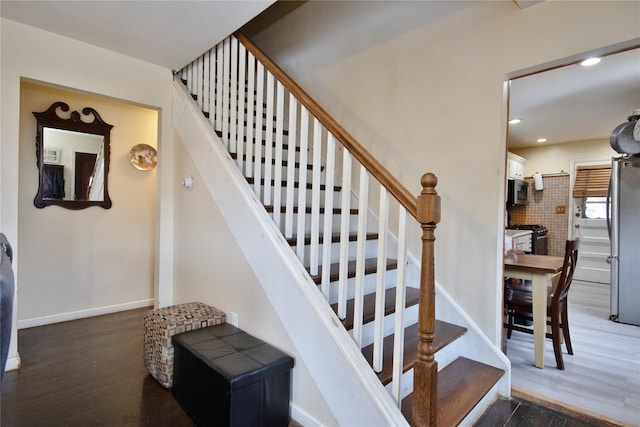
(425, 370)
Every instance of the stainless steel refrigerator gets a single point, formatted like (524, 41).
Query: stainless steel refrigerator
(624, 232)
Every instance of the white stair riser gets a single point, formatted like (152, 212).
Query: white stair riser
(369, 285)
(371, 250)
(406, 384)
(444, 357)
(262, 140)
(283, 171)
(410, 318)
(283, 197)
(335, 223)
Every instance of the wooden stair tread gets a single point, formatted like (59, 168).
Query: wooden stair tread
(285, 132)
(370, 267)
(336, 211)
(335, 238)
(296, 165)
(368, 309)
(283, 183)
(285, 146)
(461, 385)
(445, 333)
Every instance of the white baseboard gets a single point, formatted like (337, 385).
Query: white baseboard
(304, 418)
(63, 317)
(13, 363)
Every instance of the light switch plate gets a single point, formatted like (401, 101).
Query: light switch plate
(560, 209)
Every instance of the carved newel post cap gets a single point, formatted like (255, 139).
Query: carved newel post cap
(428, 180)
(428, 203)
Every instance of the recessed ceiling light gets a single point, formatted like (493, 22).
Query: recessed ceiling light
(514, 121)
(541, 140)
(590, 61)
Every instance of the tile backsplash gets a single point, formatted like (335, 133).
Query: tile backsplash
(541, 210)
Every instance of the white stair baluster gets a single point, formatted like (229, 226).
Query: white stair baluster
(302, 182)
(328, 218)
(225, 92)
(315, 197)
(358, 303)
(211, 97)
(242, 96)
(401, 292)
(250, 100)
(277, 175)
(200, 83)
(291, 168)
(219, 84)
(383, 224)
(345, 217)
(233, 101)
(190, 78)
(257, 164)
(205, 83)
(268, 146)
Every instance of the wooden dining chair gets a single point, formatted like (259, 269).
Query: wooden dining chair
(519, 303)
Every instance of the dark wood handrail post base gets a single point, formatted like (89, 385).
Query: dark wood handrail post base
(425, 370)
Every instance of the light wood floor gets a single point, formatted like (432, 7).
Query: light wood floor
(603, 375)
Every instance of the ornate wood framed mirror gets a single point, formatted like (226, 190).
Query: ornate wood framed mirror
(73, 158)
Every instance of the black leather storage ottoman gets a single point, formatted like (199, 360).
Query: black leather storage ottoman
(223, 376)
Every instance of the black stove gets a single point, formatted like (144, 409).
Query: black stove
(535, 228)
(538, 237)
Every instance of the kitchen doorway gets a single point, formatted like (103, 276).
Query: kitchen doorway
(587, 221)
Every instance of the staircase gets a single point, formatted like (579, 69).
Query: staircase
(346, 220)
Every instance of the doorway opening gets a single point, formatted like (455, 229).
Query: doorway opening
(73, 263)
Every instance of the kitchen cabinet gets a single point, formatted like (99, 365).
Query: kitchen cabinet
(515, 166)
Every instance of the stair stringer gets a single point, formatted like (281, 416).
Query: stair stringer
(360, 399)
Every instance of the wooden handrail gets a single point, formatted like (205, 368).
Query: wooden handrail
(425, 369)
(399, 191)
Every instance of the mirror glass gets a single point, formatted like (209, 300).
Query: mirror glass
(70, 167)
(73, 158)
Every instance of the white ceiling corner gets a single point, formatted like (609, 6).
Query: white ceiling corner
(166, 33)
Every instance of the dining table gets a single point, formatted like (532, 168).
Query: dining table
(540, 269)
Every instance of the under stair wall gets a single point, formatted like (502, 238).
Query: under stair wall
(308, 319)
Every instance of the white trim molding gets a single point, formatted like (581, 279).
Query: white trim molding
(81, 314)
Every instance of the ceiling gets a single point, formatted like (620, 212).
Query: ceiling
(574, 103)
(167, 33)
(565, 104)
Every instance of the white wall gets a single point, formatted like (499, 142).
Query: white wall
(75, 261)
(29, 53)
(421, 86)
(558, 157)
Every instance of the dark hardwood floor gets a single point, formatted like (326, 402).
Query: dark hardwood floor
(516, 412)
(90, 372)
(86, 372)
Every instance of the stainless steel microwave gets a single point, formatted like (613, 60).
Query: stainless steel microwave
(517, 192)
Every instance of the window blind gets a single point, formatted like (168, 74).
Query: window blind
(592, 181)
